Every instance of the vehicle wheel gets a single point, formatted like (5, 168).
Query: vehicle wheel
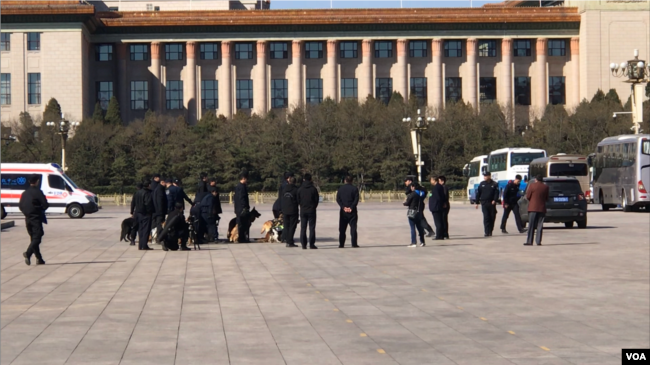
(75, 211)
(568, 224)
(582, 223)
(624, 205)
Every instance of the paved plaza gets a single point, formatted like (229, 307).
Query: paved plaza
(578, 299)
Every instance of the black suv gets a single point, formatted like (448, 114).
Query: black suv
(566, 202)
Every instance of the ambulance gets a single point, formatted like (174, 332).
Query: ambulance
(63, 195)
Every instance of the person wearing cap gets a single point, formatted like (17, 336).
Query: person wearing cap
(172, 195)
(181, 196)
(510, 204)
(210, 210)
(410, 179)
(242, 208)
(487, 195)
(155, 181)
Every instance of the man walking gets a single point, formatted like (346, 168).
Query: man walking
(160, 206)
(537, 195)
(144, 208)
(437, 207)
(289, 206)
(445, 212)
(33, 205)
(242, 208)
(488, 194)
(348, 198)
(308, 201)
(510, 200)
(410, 179)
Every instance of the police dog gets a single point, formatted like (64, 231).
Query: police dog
(233, 229)
(273, 230)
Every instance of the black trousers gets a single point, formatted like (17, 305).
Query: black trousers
(134, 228)
(243, 228)
(210, 224)
(515, 212)
(440, 224)
(445, 222)
(346, 219)
(308, 219)
(35, 231)
(489, 216)
(426, 224)
(157, 222)
(536, 220)
(144, 229)
(290, 225)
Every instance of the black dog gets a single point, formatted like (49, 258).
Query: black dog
(126, 229)
(253, 215)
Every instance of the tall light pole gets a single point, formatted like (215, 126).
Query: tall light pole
(63, 128)
(636, 71)
(419, 125)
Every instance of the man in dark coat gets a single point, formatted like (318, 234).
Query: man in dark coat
(242, 208)
(437, 204)
(172, 193)
(155, 181)
(144, 209)
(407, 183)
(202, 188)
(308, 201)
(160, 206)
(175, 228)
(33, 205)
(347, 198)
(289, 206)
(510, 204)
(537, 195)
(213, 186)
(134, 227)
(487, 195)
(210, 210)
(181, 197)
(277, 206)
(445, 213)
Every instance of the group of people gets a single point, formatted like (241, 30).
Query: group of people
(438, 205)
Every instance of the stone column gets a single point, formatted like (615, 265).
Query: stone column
(471, 64)
(365, 82)
(295, 77)
(190, 84)
(506, 58)
(225, 83)
(542, 78)
(330, 79)
(259, 85)
(437, 83)
(156, 89)
(401, 76)
(575, 71)
(123, 95)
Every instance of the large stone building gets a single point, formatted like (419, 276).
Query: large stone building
(187, 62)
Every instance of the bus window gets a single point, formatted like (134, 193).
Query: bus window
(645, 147)
(474, 168)
(524, 158)
(498, 162)
(569, 169)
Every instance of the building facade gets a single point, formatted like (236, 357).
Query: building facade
(188, 62)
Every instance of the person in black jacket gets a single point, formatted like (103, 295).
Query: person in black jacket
(445, 213)
(348, 198)
(202, 188)
(33, 205)
(144, 209)
(172, 193)
(242, 208)
(155, 181)
(134, 227)
(160, 206)
(437, 205)
(175, 228)
(510, 203)
(277, 206)
(407, 182)
(414, 203)
(308, 202)
(488, 194)
(210, 210)
(289, 206)
(181, 197)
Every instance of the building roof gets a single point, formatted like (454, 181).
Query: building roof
(45, 7)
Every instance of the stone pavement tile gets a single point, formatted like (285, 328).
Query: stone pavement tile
(593, 360)
(428, 356)
(540, 361)
(480, 360)
(300, 353)
(366, 358)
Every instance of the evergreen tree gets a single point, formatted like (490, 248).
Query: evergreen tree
(113, 112)
(612, 96)
(98, 114)
(52, 112)
(599, 96)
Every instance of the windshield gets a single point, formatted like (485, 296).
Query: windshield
(568, 169)
(70, 181)
(474, 168)
(645, 147)
(524, 158)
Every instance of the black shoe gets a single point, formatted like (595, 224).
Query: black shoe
(27, 260)
(528, 244)
(446, 236)
(355, 246)
(40, 262)
(341, 246)
(146, 249)
(504, 231)
(524, 230)
(291, 245)
(132, 242)
(539, 244)
(313, 248)
(164, 247)
(304, 247)
(431, 234)
(185, 248)
(486, 235)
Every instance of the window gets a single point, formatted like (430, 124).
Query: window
(522, 90)
(243, 51)
(313, 49)
(557, 47)
(55, 182)
(279, 93)
(453, 49)
(104, 52)
(417, 49)
(348, 49)
(383, 49)
(210, 94)
(314, 91)
(348, 88)
(113, 8)
(104, 93)
(278, 50)
(149, 7)
(33, 41)
(174, 95)
(568, 169)
(454, 89)
(488, 89)
(5, 42)
(384, 89)
(498, 162)
(419, 89)
(139, 95)
(522, 47)
(16, 181)
(556, 90)
(33, 88)
(209, 51)
(645, 147)
(524, 158)
(244, 94)
(156, 8)
(487, 48)
(5, 89)
(139, 52)
(174, 51)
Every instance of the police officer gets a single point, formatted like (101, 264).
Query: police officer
(210, 211)
(202, 188)
(144, 209)
(33, 205)
(180, 195)
(348, 198)
(155, 181)
(289, 206)
(488, 194)
(160, 206)
(176, 228)
(242, 207)
(510, 199)
(134, 227)
(172, 193)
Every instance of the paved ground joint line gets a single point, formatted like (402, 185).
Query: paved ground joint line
(180, 314)
(216, 287)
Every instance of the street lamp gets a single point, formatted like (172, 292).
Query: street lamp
(9, 139)
(419, 125)
(637, 72)
(63, 128)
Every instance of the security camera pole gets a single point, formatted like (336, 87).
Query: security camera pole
(636, 71)
(420, 124)
(63, 128)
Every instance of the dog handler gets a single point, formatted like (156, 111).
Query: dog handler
(33, 204)
(242, 208)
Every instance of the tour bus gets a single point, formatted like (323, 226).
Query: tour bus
(563, 165)
(506, 163)
(473, 173)
(63, 195)
(622, 172)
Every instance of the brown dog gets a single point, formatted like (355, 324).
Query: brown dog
(233, 229)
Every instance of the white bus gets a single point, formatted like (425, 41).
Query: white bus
(622, 172)
(563, 165)
(506, 163)
(473, 173)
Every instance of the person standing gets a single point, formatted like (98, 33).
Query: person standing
(414, 214)
(277, 206)
(289, 207)
(407, 182)
(347, 198)
(202, 188)
(209, 213)
(487, 195)
(213, 186)
(437, 204)
(242, 208)
(445, 213)
(510, 204)
(144, 209)
(155, 181)
(172, 193)
(537, 195)
(180, 195)
(33, 205)
(308, 201)
(160, 206)
(134, 227)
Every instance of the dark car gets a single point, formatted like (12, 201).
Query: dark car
(566, 203)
